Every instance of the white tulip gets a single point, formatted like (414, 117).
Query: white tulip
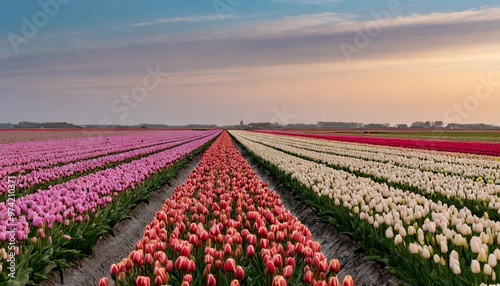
(425, 253)
(402, 231)
(413, 248)
(487, 269)
(475, 244)
(398, 239)
(492, 260)
(497, 253)
(444, 247)
(475, 267)
(482, 256)
(411, 230)
(389, 233)
(436, 258)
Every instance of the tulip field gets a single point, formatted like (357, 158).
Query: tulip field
(427, 212)
(431, 217)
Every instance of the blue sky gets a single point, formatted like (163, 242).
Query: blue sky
(220, 61)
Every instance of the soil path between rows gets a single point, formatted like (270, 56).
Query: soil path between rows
(334, 245)
(111, 249)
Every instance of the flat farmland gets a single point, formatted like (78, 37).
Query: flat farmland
(10, 136)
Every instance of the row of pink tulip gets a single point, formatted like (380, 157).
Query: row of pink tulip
(74, 200)
(223, 226)
(44, 175)
(21, 158)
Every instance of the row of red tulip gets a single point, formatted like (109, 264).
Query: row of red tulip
(480, 148)
(223, 226)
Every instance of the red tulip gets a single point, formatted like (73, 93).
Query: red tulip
(114, 270)
(230, 266)
(252, 239)
(240, 273)
(169, 266)
(334, 266)
(143, 281)
(264, 243)
(121, 277)
(334, 281)
(138, 257)
(235, 283)
(279, 281)
(277, 260)
(158, 281)
(262, 231)
(288, 272)
(208, 259)
(150, 248)
(208, 268)
(308, 277)
(218, 264)
(128, 264)
(104, 281)
(191, 266)
(348, 281)
(271, 269)
(290, 261)
(323, 266)
(188, 278)
(186, 251)
(250, 251)
(182, 263)
(211, 280)
(227, 249)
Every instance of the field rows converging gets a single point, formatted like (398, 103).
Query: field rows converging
(426, 241)
(478, 194)
(31, 181)
(23, 157)
(47, 229)
(480, 148)
(223, 226)
(428, 217)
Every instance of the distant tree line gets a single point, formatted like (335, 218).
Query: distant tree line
(258, 125)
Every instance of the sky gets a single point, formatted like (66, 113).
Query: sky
(220, 61)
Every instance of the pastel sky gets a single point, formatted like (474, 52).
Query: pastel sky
(217, 61)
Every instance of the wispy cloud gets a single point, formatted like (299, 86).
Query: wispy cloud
(177, 20)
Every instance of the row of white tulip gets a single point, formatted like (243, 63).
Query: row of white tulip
(406, 218)
(427, 182)
(474, 166)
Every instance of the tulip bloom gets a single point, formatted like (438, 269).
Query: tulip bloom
(104, 282)
(230, 266)
(348, 281)
(279, 281)
(143, 281)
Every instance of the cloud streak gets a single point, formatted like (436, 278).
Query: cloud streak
(182, 20)
(288, 56)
